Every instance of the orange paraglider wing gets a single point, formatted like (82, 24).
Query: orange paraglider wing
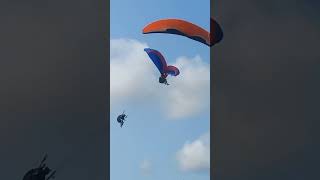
(184, 28)
(179, 27)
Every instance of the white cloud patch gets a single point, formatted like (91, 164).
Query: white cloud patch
(133, 78)
(129, 72)
(195, 156)
(191, 91)
(145, 167)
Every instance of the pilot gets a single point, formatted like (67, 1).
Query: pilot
(162, 79)
(121, 119)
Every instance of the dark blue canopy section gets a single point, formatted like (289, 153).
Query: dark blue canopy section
(157, 59)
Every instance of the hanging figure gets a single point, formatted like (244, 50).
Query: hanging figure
(163, 80)
(121, 118)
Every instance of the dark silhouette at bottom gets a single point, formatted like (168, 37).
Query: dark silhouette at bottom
(42, 172)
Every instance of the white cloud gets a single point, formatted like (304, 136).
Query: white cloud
(145, 167)
(129, 72)
(133, 78)
(195, 156)
(190, 92)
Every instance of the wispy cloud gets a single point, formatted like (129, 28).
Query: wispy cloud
(145, 167)
(135, 79)
(195, 156)
(191, 91)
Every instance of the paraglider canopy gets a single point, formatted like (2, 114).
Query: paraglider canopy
(187, 29)
(161, 64)
(159, 61)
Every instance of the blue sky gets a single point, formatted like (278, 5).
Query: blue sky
(157, 129)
